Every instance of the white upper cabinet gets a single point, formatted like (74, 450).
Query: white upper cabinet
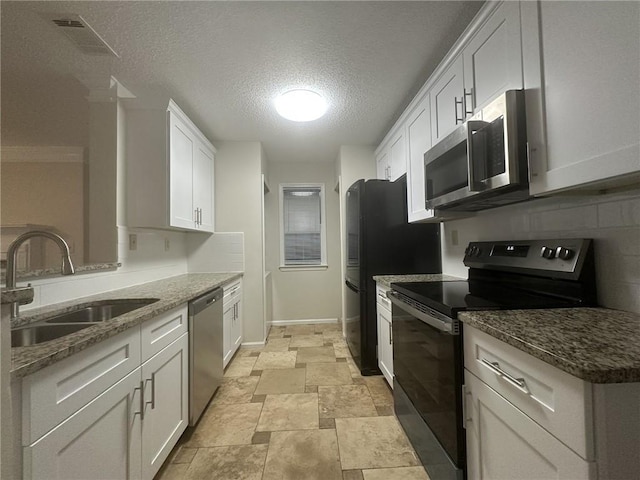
(493, 58)
(447, 101)
(383, 170)
(583, 93)
(391, 158)
(170, 171)
(418, 142)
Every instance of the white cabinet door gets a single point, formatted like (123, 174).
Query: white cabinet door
(99, 441)
(398, 160)
(203, 183)
(589, 72)
(447, 98)
(227, 328)
(385, 344)
(504, 443)
(166, 413)
(181, 152)
(418, 142)
(383, 169)
(493, 57)
(236, 330)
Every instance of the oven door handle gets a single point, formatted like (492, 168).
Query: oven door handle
(439, 322)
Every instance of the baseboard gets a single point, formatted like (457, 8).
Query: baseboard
(276, 323)
(252, 344)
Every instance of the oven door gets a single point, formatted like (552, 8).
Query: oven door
(428, 371)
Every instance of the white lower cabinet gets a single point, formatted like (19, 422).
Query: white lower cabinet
(100, 441)
(109, 412)
(503, 442)
(526, 419)
(385, 334)
(232, 320)
(166, 411)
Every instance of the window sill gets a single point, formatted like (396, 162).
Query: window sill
(302, 268)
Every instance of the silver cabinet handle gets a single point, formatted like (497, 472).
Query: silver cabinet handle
(519, 383)
(195, 215)
(461, 103)
(466, 418)
(390, 335)
(470, 104)
(141, 388)
(200, 216)
(153, 391)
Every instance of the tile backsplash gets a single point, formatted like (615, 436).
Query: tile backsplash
(613, 221)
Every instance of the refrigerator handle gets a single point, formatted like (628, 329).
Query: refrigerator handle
(352, 286)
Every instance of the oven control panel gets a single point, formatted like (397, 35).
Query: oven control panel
(560, 258)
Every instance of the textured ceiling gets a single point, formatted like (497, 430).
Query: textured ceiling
(224, 62)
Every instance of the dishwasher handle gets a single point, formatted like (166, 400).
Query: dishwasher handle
(204, 301)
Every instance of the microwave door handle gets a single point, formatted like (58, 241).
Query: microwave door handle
(475, 185)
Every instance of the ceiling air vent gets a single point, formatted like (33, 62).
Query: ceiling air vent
(81, 34)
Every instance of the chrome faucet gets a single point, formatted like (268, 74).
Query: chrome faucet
(12, 253)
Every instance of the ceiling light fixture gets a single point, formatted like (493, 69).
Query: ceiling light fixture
(301, 105)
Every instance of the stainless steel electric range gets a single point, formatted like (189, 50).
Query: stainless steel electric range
(427, 349)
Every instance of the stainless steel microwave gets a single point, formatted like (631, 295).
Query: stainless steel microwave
(483, 163)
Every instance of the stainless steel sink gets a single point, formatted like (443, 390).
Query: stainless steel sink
(35, 334)
(101, 311)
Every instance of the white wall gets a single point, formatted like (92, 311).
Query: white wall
(613, 221)
(238, 197)
(304, 294)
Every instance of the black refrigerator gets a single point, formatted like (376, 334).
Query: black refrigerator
(380, 241)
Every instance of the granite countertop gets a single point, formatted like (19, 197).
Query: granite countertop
(170, 293)
(387, 280)
(597, 345)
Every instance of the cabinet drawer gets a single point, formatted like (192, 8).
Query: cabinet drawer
(162, 330)
(231, 293)
(381, 297)
(54, 393)
(557, 401)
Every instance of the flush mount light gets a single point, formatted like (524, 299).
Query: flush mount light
(301, 105)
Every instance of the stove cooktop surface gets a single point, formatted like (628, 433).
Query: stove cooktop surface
(452, 297)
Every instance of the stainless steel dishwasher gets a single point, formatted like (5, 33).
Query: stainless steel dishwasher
(205, 351)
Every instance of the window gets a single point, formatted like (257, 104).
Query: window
(302, 230)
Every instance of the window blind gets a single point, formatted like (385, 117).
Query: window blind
(302, 225)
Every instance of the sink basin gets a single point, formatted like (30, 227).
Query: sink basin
(101, 311)
(35, 334)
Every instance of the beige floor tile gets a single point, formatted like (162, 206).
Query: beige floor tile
(373, 442)
(401, 473)
(236, 390)
(271, 360)
(380, 390)
(244, 462)
(345, 401)
(285, 380)
(182, 455)
(248, 351)
(328, 374)
(352, 475)
(277, 345)
(311, 340)
(172, 471)
(300, 329)
(333, 336)
(298, 411)
(240, 367)
(223, 425)
(329, 327)
(308, 455)
(277, 330)
(341, 351)
(316, 355)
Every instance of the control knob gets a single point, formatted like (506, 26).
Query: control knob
(564, 253)
(548, 253)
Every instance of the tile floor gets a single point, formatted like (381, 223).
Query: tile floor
(296, 409)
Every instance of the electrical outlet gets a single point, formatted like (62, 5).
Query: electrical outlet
(167, 244)
(454, 237)
(133, 241)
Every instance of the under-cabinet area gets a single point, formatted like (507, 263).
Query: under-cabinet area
(111, 400)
